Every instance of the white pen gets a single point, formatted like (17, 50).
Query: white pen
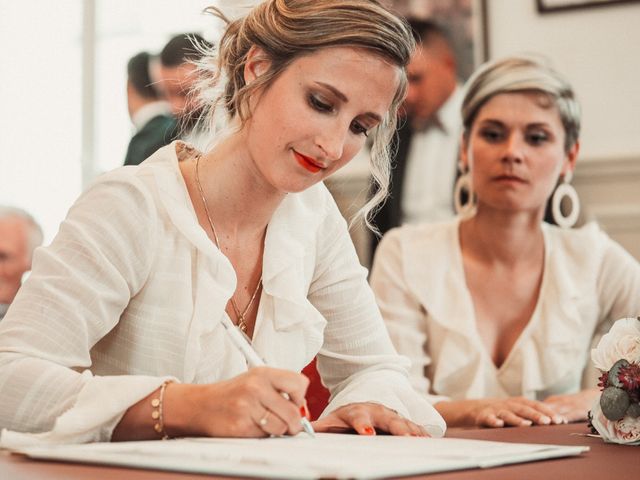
(242, 342)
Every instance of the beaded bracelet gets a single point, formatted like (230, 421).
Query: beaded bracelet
(157, 413)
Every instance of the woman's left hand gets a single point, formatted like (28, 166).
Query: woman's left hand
(574, 407)
(365, 418)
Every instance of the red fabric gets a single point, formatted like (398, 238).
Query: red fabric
(317, 394)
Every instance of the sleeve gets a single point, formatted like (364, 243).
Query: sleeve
(403, 314)
(357, 362)
(78, 288)
(618, 284)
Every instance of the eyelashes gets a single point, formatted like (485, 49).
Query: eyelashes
(324, 107)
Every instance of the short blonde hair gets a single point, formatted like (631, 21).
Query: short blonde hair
(287, 29)
(523, 73)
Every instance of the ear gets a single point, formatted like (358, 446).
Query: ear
(257, 63)
(570, 160)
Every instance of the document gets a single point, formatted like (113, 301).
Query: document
(326, 456)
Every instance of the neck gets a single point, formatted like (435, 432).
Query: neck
(494, 236)
(241, 202)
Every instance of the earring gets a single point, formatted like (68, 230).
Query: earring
(565, 189)
(464, 199)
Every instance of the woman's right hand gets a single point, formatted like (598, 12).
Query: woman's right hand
(498, 412)
(261, 402)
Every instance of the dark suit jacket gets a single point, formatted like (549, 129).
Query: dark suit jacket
(157, 132)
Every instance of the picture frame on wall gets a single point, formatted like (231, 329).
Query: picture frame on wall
(550, 6)
(466, 22)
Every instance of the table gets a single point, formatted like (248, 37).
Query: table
(602, 462)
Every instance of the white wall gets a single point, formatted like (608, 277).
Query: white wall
(598, 49)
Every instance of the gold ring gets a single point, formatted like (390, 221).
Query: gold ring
(263, 420)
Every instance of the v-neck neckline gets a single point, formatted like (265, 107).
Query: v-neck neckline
(474, 332)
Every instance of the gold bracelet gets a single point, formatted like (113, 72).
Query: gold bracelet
(157, 413)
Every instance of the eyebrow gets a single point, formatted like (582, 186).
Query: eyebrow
(344, 98)
(528, 125)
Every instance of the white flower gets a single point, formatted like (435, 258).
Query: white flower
(622, 341)
(626, 430)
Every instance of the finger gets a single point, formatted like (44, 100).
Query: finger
(284, 409)
(489, 419)
(402, 426)
(294, 384)
(270, 424)
(548, 414)
(538, 413)
(360, 420)
(513, 419)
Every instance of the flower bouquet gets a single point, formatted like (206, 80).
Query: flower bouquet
(616, 415)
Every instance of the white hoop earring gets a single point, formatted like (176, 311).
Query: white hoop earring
(464, 186)
(565, 189)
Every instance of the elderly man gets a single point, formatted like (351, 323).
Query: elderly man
(19, 237)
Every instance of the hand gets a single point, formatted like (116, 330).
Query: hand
(573, 407)
(498, 412)
(365, 418)
(261, 402)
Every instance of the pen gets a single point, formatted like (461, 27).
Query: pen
(242, 342)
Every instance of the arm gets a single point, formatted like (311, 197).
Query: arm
(618, 293)
(406, 320)
(358, 362)
(75, 295)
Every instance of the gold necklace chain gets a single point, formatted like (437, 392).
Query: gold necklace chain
(242, 324)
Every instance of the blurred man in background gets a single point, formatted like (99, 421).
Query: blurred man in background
(175, 77)
(149, 113)
(424, 168)
(19, 237)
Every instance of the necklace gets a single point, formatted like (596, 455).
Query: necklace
(242, 324)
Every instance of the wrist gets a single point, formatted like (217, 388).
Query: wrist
(180, 409)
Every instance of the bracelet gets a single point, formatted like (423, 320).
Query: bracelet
(157, 413)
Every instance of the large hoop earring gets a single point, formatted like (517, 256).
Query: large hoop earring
(565, 190)
(465, 207)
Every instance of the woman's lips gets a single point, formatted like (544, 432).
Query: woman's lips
(509, 178)
(307, 162)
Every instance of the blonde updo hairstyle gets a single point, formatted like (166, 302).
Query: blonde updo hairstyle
(522, 74)
(287, 29)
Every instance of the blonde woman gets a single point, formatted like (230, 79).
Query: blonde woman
(496, 309)
(117, 334)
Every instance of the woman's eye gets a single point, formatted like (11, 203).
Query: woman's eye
(537, 138)
(491, 135)
(319, 105)
(359, 129)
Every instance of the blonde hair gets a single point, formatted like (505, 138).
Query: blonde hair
(524, 73)
(287, 29)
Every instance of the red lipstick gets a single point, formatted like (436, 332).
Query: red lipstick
(307, 163)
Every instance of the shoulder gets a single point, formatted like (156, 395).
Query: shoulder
(136, 185)
(577, 243)
(412, 239)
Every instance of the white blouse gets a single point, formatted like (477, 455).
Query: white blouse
(131, 292)
(589, 281)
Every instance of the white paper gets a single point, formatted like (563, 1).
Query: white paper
(327, 455)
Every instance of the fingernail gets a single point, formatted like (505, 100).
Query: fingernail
(526, 423)
(557, 419)
(546, 420)
(369, 431)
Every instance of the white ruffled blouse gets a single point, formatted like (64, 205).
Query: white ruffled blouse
(589, 281)
(131, 292)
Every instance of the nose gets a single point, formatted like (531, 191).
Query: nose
(331, 143)
(513, 151)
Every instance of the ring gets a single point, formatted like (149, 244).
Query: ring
(263, 420)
